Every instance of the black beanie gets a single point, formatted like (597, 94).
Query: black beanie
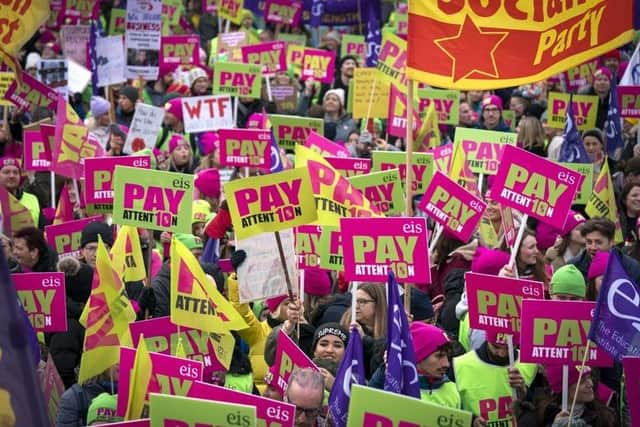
(421, 307)
(330, 329)
(130, 92)
(92, 230)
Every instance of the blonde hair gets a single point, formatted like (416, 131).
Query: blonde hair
(531, 133)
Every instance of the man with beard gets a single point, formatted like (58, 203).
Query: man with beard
(486, 382)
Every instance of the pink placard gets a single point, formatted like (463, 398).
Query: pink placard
(65, 238)
(535, 186)
(350, 166)
(135, 423)
(286, 12)
(631, 367)
(44, 299)
(319, 65)
(98, 175)
(580, 75)
(272, 412)
(210, 6)
(495, 302)
(245, 148)
(52, 389)
(271, 55)
(169, 375)
(442, 156)
(509, 226)
(37, 152)
(162, 337)
(307, 239)
(371, 247)
(31, 94)
(325, 146)
(629, 98)
(451, 206)
(179, 50)
(288, 357)
(397, 114)
(556, 332)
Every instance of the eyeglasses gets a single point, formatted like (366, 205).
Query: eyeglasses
(363, 301)
(308, 412)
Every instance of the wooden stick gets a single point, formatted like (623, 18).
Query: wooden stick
(284, 265)
(575, 394)
(408, 209)
(516, 246)
(5, 117)
(565, 388)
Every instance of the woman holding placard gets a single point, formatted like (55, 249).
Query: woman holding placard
(529, 261)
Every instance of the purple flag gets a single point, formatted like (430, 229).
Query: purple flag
(18, 377)
(317, 9)
(613, 124)
(351, 371)
(572, 149)
(616, 321)
(401, 375)
(372, 15)
(93, 57)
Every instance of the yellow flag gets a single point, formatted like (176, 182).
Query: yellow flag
(139, 382)
(195, 301)
(64, 210)
(108, 314)
(127, 255)
(335, 196)
(488, 233)
(602, 203)
(15, 215)
(429, 134)
(459, 170)
(180, 351)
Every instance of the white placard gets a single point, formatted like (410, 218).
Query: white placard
(142, 38)
(110, 60)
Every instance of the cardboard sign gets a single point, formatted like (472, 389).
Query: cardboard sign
(285, 97)
(369, 88)
(383, 189)
(307, 246)
(245, 148)
(65, 237)
(169, 375)
(536, 186)
(43, 298)
(585, 110)
(162, 337)
(392, 60)
(271, 55)
(237, 79)
(446, 102)
(291, 130)
(318, 64)
(52, 388)
(262, 276)
(143, 131)
(631, 367)
(288, 357)
(584, 192)
(495, 302)
(629, 97)
(31, 94)
(156, 200)
(392, 409)
(330, 248)
(350, 166)
(453, 207)
(205, 113)
(111, 62)
(373, 247)
(98, 175)
(6, 78)
(325, 147)
(183, 411)
(287, 12)
(483, 148)
(556, 332)
(421, 163)
(271, 202)
(37, 152)
(354, 45)
(270, 413)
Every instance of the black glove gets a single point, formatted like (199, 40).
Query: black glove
(237, 258)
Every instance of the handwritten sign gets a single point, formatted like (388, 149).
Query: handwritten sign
(237, 79)
(383, 189)
(271, 55)
(370, 95)
(373, 247)
(483, 148)
(143, 131)
(98, 175)
(245, 148)
(585, 110)
(285, 97)
(65, 237)
(291, 130)
(422, 166)
(318, 64)
(43, 298)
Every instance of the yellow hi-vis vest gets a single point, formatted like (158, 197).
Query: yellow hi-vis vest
(445, 395)
(31, 202)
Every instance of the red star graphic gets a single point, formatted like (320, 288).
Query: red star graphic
(472, 50)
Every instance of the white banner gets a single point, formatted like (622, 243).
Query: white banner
(142, 38)
(205, 113)
(110, 55)
(143, 132)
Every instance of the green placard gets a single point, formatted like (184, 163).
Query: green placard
(585, 110)
(297, 39)
(395, 409)
(584, 192)
(509, 118)
(117, 22)
(291, 130)
(354, 45)
(483, 148)
(156, 200)
(330, 248)
(447, 104)
(383, 189)
(230, 78)
(167, 410)
(422, 164)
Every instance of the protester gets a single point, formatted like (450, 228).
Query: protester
(32, 252)
(531, 135)
(305, 391)
(371, 311)
(567, 284)
(491, 117)
(89, 238)
(565, 245)
(629, 211)
(126, 105)
(10, 180)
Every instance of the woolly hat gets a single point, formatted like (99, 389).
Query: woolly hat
(337, 92)
(492, 100)
(546, 234)
(274, 303)
(33, 59)
(208, 183)
(421, 307)
(330, 329)
(316, 282)
(103, 409)
(568, 280)
(602, 71)
(174, 106)
(196, 73)
(209, 141)
(489, 261)
(189, 240)
(175, 141)
(426, 339)
(554, 376)
(10, 161)
(119, 130)
(129, 92)
(91, 232)
(598, 265)
(99, 106)
(199, 211)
